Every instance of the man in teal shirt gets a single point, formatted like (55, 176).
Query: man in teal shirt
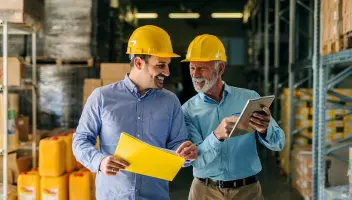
(226, 168)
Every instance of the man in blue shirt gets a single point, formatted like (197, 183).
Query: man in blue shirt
(226, 168)
(140, 107)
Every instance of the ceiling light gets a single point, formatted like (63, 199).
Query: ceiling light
(146, 15)
(226, 15)
(184, 15)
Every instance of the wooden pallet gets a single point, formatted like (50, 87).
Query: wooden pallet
(89, 62)
(333, 46)
(347, 40)
(338, 44)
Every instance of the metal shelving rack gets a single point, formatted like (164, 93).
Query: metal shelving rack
(8, 28)
(317, 77)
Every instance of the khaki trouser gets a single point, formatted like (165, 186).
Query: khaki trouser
(201, 192)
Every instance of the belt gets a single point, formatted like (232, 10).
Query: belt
(229, 184)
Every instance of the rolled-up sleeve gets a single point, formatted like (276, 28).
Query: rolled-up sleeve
(84, 140)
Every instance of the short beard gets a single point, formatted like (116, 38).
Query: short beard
(208, 84)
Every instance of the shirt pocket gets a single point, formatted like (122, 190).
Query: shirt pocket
(159, 128)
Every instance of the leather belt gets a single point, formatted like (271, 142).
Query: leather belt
(229, 184)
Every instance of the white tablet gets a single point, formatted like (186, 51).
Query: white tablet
(253, 105)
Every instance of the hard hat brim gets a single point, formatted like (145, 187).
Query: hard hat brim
(165, 55)
(161, 54)
(199, 60)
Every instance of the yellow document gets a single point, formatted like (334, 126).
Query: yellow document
(148, 160)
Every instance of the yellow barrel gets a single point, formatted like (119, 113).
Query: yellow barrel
(79, 186)
(70, 161)
(28, 185)
(52, 157)
(54, 187)
(92, 181)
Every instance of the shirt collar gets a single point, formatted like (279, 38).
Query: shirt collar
(227, 91)
(129, 84)
(133, 88)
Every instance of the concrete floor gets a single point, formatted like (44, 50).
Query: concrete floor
(274, 186)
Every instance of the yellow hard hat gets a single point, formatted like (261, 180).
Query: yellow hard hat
(205, 48)
(150, 40)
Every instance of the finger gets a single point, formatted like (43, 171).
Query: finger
(260, 125)
(110, 173)
(115, 166)
(257, 127)
(191, 156)
(112, 169)
(187, 150)
(229, 125)
(182, 146)
(258, 121)
(231, 119)
(266, 110)
(261, 117)
(119, 161)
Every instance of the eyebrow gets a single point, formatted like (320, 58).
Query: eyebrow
(161, 63)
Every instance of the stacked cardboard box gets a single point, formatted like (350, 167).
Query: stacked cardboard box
(337, 129)
(29, 12)
(332, 25)
(112, 72)
(302, 170)
(15, 71)
(89, 86)
(109, 73)
(347, 21)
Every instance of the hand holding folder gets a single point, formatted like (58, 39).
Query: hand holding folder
(148, 160)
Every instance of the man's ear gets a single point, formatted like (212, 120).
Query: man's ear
(221, 68)
(138, 62)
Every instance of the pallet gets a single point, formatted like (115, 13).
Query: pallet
(89, 62)
(338, 44)
(333, 46)
(347, 40)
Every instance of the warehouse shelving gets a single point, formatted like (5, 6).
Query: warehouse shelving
(8, 28)
(313, 70)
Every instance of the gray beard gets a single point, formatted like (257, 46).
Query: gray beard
(207, 84)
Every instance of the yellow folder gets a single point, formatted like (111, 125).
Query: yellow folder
(148, 160)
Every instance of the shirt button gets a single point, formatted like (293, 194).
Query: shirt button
(131, 90)
(139, 99)
(139, 117)
(138, 135)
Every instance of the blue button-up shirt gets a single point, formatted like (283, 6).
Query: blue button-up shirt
(155, 118)
(236, 157)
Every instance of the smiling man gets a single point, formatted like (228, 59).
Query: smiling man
(141, 107)
(226, 168)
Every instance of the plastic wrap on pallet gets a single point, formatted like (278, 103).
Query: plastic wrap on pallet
(68, 29)
(60, 91)
(337, 193)
(14, 44)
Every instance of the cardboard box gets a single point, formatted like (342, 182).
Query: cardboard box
(15, 71)
(23, 127)
(114, 71)
(30, 12)
(89, 86)
(108, 82)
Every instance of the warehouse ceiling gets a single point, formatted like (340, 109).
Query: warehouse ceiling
(203, 7)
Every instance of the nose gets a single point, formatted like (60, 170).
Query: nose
(166, 71)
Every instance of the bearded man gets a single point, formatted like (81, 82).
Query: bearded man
(226, 168)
